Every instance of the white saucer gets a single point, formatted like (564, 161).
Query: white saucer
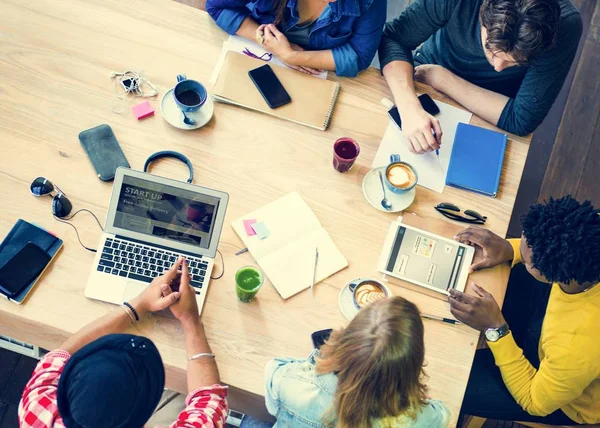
(374, 194)
(349, 310)
(171, 113)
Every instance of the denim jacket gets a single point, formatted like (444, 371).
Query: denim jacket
(350, 28)
(298, 397)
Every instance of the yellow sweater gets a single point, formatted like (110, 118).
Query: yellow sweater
(569, 350)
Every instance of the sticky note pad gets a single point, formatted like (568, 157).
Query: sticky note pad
(142, 110)
(248, 226)
(261, 229)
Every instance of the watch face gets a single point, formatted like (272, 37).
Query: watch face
(492, 335)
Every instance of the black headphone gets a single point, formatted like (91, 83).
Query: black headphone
(170, 154)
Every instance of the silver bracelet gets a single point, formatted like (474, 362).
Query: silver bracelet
(204, 354)
(128, 312)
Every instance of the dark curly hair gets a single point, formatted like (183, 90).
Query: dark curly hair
(564, 236)
(521, 28)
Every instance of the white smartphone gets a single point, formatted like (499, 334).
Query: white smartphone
(423, 258)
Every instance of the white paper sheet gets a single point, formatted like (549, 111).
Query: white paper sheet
(431, 170)
(238, 44)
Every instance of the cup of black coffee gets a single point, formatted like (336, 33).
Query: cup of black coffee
(190, 95)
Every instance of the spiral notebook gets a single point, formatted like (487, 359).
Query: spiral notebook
(313, 100)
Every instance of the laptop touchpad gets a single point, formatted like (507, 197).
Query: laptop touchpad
(133, 288)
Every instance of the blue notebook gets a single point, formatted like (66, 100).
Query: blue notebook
(22, 233)
(476, 161)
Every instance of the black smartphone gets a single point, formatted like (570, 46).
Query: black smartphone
(104, 151)
(320, 337)
(22, 268)
(428, 105)
(269, 86)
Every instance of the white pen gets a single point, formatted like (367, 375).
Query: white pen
(312, 285)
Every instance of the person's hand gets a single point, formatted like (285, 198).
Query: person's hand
(417, 126)
(186, 307)
(430, 74)
(490, 249)
(158, 295)
(275, 42)
(479, 312)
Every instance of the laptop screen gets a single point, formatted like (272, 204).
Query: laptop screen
(166, 212)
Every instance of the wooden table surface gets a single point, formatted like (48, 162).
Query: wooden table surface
(55, 61)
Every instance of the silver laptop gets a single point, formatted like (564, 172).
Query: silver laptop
(151, 222)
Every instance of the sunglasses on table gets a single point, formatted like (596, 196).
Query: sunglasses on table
(61, 206)
(452, 212)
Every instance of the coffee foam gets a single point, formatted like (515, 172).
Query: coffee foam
(401, 176)
(368, 293)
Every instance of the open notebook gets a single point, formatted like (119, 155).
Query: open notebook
(287, 255)
(313, 99)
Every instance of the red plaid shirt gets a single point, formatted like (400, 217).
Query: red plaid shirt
(205, 407)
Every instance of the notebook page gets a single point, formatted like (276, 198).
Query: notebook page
(288, 219)
(291, 269)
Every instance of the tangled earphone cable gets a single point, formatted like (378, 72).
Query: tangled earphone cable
(129, 82)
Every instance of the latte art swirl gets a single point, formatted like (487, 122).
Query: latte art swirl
(368, 293)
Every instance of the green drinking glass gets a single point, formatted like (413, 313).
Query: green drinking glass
(248, 281)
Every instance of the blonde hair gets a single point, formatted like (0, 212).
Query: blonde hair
(378, 360)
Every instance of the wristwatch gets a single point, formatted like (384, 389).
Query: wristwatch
(495, 334)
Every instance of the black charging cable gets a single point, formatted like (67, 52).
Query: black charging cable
(63, 220)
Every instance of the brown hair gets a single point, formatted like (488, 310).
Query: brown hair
(520, 28)
(279, 6)
(378, 360)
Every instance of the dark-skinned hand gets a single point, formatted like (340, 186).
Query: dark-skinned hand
(479, 312)
(490, 249)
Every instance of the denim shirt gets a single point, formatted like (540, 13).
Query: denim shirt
(350, 28)
(299, 397)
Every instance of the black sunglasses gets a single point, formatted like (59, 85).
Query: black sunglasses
(451, 211)
(61, 206)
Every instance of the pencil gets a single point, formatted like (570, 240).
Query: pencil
(312, 285)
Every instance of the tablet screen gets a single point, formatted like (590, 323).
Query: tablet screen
(427, 259)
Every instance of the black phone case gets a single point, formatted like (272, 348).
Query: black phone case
(320, 337)
(284, 102)
(104, 151)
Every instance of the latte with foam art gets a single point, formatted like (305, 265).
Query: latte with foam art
(368, 292)
(401, 176)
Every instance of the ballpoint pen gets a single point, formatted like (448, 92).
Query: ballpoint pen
(442, 319)
(312, 285)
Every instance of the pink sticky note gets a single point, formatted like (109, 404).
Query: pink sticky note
(248, 226)
(142, 110)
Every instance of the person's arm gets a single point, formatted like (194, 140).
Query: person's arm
(206, 403)
(490, 249)
(117, 321)
(522, 114)
(357, 53)
(543, 81)
(38, 406)
(232, 16)
(557, 382)
(540, 392)
(486, 104)
(419, 21)
(346, 60)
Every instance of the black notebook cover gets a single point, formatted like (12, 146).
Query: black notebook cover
(22, 233)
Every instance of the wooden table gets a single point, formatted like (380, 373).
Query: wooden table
(55, 61)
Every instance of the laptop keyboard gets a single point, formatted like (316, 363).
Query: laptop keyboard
(144, 263)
